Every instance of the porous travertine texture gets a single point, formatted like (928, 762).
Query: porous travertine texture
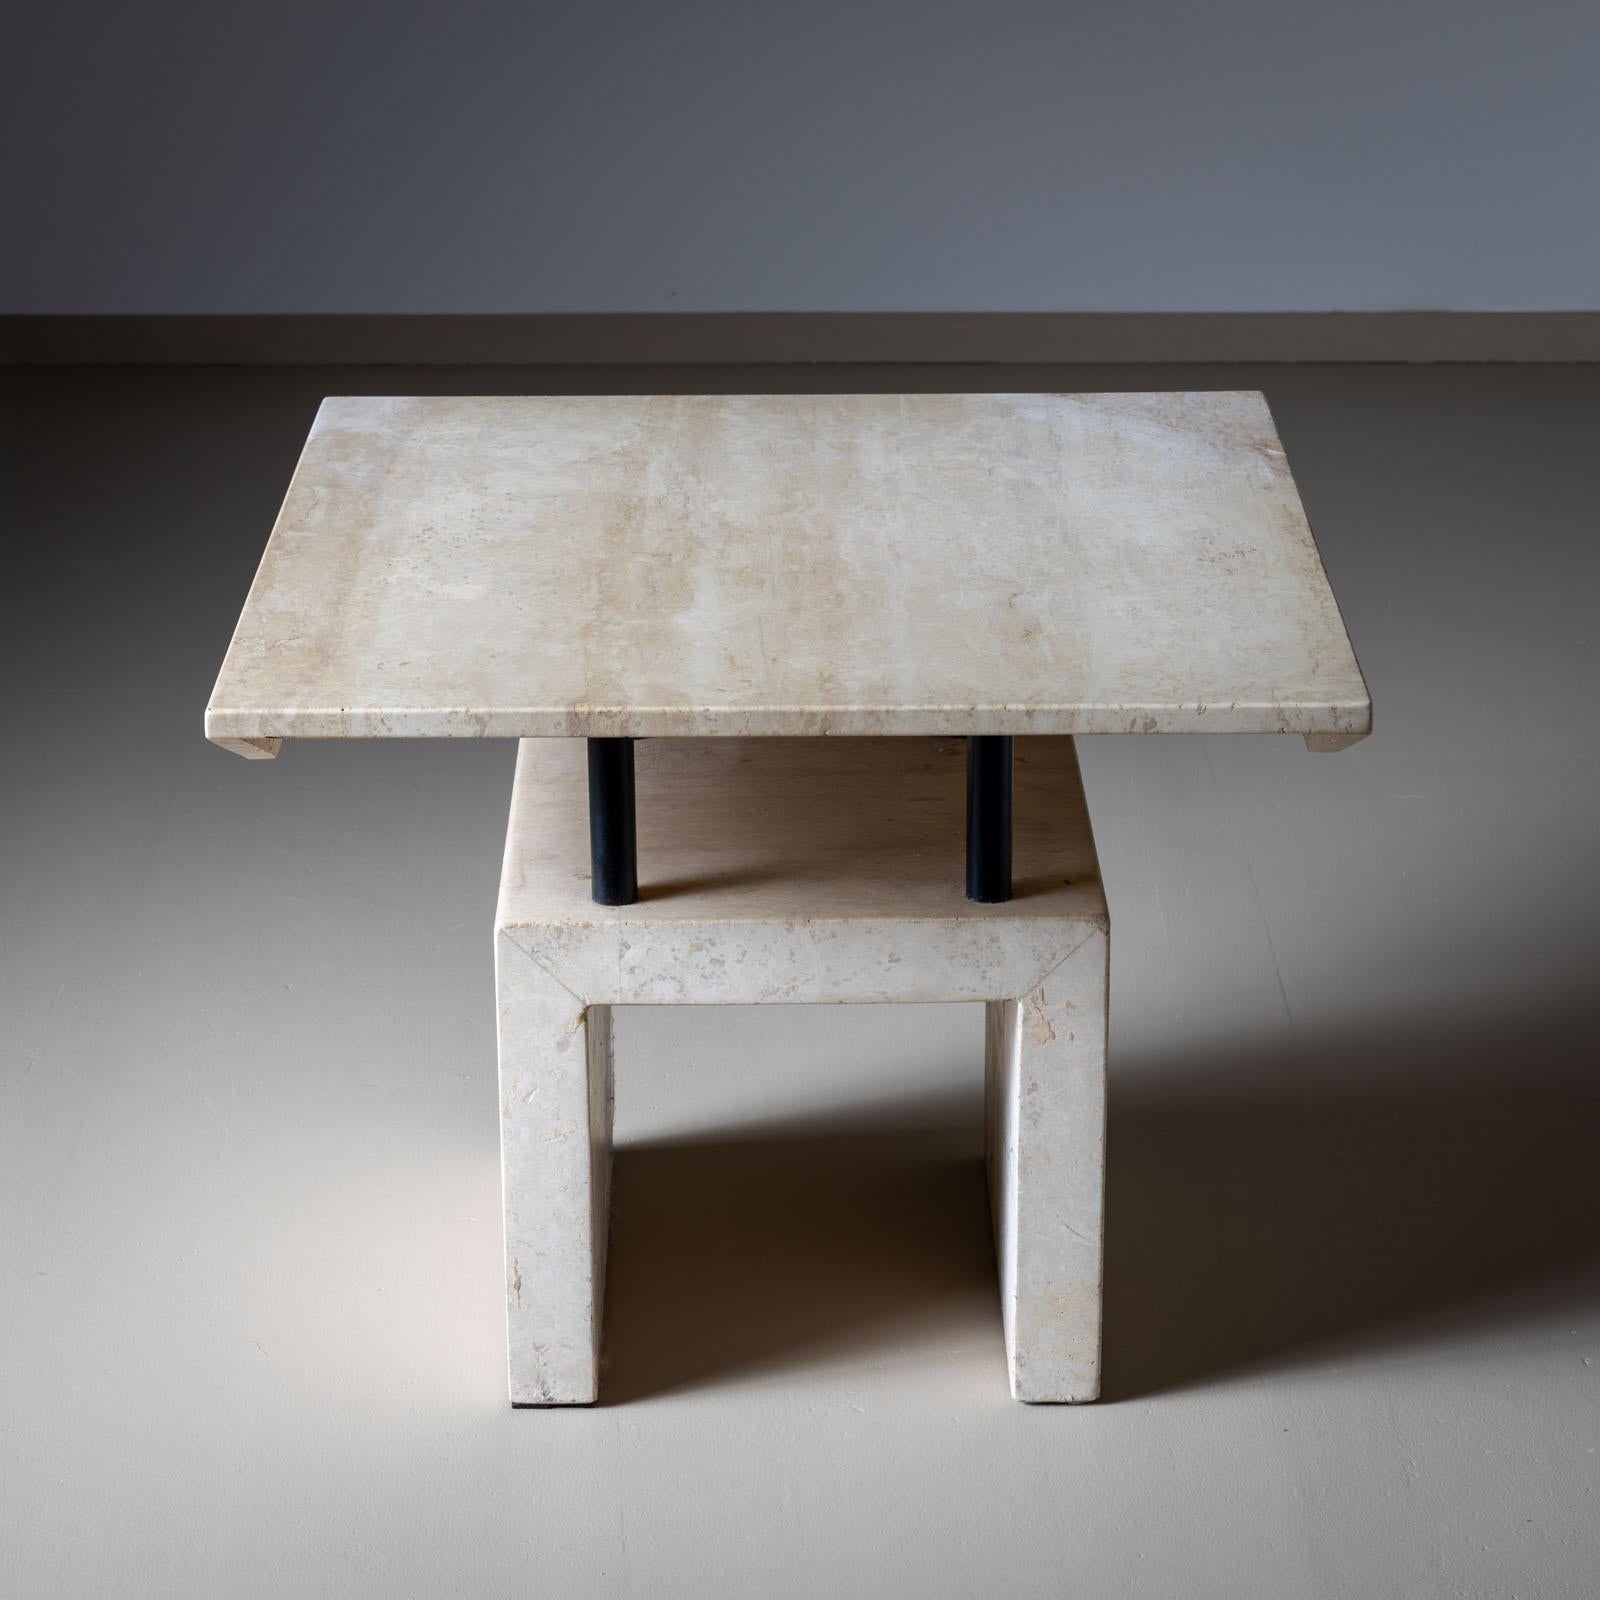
(1045, 1120)
(555, 1156)
(789, 564)
(803, 870)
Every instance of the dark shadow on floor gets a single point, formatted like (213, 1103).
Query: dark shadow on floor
(786, 1244)
(1357, 1195)
(1264, 1210)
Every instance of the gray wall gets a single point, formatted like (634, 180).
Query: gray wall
(825, 155)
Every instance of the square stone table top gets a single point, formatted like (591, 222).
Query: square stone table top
(668, 565)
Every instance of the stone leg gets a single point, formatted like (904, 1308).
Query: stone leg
(555, 1158)
(1044, 1126)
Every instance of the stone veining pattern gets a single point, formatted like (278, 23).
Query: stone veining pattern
(789, 564)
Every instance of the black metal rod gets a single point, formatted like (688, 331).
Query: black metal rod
(989, 817)
(613, 842)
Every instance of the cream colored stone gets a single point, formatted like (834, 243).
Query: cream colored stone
(803, 870)
(251, 749)
(555, 1162)
(790, 564)
(1045, 1124)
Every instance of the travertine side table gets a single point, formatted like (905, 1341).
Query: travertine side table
(706, 567)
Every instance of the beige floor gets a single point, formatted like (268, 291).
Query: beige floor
(250, 1330)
